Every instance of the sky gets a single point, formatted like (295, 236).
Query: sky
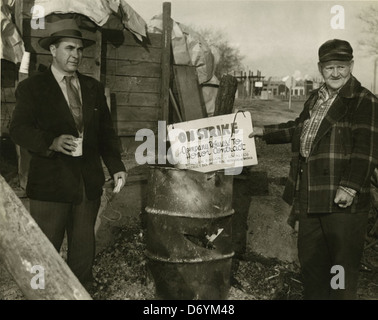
(279, 38)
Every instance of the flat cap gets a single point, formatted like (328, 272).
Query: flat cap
(335, 49)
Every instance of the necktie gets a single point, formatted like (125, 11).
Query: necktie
(75, 103)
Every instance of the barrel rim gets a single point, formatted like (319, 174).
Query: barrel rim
(189, 214)
(151, 256)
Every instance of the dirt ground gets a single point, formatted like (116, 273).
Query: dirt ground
(121, 267)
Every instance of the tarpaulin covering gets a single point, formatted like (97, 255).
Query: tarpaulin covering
(189, 48)
(98, 11)
(12, 45)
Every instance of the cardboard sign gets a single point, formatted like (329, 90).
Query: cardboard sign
(213, 143)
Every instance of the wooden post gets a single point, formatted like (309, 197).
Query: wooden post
(97, 58)
(375, 90)
(191, 102)
(224, 101)
(252, 85)
(24, 250)
(166, 61)
(18, 16)
(291, 87)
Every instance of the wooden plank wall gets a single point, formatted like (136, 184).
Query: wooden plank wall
(8, 100)
(131, 70)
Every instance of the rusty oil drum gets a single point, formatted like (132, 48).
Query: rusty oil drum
(189, 233)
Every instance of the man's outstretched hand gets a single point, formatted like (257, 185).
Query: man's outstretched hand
(256, 133)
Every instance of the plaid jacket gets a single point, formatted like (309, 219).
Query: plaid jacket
(344, 152)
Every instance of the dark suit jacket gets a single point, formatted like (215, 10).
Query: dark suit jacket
(42, 114)
(344, 153)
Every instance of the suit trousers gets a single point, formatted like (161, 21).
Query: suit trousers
(23, 157)
(77, 221)
(326, 240)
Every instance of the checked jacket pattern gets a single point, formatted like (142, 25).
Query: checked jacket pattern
(344, 151)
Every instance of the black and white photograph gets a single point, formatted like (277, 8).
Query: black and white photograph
(192, 156)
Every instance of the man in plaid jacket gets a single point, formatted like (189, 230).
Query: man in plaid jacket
(334, 154)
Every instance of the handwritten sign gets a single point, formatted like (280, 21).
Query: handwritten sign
(213, 143)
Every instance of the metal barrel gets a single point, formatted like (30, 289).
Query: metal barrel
(189, 233)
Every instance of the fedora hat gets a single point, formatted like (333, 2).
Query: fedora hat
(64, 28)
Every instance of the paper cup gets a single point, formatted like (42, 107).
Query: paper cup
(79, 149)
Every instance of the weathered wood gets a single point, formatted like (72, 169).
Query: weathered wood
(133, 84)
(18, 9)
(7, 110)
(7, 95)
(132, 68)
(23, 245)
(126, 38)
(225, 99)
(136, 99)
(6, 115)
(127, 128)
(137, 113)
(97, 56)
(133, 53)
(175, 106)
(192, 104)
(27, 5)
(8, 74)
(166, 61)
(8, 102)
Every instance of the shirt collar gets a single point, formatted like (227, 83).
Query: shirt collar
(324, 93)
(59, 76)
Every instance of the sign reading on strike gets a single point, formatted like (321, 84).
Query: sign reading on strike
(213, 143)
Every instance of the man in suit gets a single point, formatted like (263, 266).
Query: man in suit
(334, 153)
(62, 118)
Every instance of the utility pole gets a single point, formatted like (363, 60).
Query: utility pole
(291, 86)
(375, 76)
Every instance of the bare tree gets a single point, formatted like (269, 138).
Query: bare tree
(369, 17)
(228, 56)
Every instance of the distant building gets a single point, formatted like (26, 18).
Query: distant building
(255, 85)
(302, 89)
(276, 88)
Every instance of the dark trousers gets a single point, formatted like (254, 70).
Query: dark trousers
(326, 240)
(24, 157)
(55, 218)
